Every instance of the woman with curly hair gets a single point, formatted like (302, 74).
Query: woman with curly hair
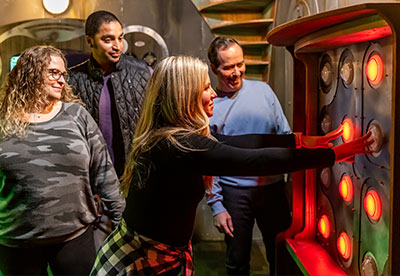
(53, 159)
(171, 153)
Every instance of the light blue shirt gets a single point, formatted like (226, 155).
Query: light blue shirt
(254, 109)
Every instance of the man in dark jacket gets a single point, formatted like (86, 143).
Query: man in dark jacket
(111, 84)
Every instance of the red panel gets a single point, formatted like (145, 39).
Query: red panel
(313, 258)
(304, 26)
(352, 38)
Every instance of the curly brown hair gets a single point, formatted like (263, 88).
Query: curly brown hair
(23, 93)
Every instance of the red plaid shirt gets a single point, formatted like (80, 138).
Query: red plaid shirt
(126, 253)
(159, 258)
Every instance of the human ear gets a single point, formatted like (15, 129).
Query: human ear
(214, 69)
(90, 41)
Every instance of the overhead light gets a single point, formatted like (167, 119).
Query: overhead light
(56, 6)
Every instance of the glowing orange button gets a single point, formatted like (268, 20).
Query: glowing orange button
(374, 69)
(348, 130)
(346, 188)
(324, 226)
(344, 245)
(373, 205)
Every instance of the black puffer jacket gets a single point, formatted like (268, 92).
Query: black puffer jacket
(128, 82)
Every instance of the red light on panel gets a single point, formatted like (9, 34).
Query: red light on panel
(346, 188)
(324, 226)
(374, 69)
(348, 130)
(344, 245)
(373, 205)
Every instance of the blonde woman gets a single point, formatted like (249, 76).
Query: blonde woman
(171, 152)
(53, 160)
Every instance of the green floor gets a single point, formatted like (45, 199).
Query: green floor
(209, 258)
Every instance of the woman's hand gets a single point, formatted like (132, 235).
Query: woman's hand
(357, 146)
(312, 142)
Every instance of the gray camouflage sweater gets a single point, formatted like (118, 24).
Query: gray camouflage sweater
(48, 179)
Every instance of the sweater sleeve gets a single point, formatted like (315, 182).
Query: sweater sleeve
(255, 141)
(103, 178)
(215, 198)
(214, 158)
(280, 118)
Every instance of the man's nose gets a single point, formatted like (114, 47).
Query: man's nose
(117, 45)
(236, 71)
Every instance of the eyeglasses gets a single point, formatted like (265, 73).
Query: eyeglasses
(55, 75)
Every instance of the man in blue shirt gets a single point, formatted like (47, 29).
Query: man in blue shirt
(244, 107)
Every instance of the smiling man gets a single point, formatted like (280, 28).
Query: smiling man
(111, 84)
(245, 107)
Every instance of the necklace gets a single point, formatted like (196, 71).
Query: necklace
(48, 108)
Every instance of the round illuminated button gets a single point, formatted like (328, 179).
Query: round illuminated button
(324, 226)
(326, 74)
(377, 136)
(344, 245)
(374, 69)
(347, 71)
(325, 177)
(346, 188)
(348, 130)
(368, 266)
(373, 205)
(326, 124)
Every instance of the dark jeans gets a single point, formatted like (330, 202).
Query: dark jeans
(75, 257)
(268, 206)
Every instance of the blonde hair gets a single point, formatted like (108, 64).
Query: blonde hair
(172, 104)
(23, 90)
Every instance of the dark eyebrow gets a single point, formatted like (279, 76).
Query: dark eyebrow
(107, 36)
(111, 36)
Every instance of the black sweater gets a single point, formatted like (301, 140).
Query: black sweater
(165, 209)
